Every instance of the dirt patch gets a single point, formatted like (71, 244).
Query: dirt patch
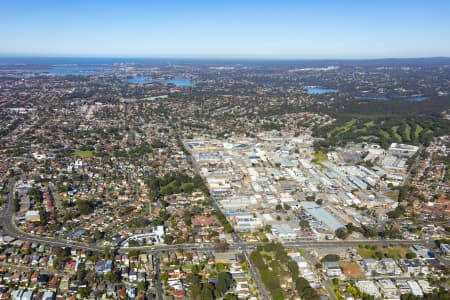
(352, 270)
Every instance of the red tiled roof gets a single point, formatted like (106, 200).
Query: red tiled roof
(203, 220)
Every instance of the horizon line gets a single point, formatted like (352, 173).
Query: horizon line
(25, 56)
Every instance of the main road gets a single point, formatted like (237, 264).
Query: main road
(9, 228)
(237, 242)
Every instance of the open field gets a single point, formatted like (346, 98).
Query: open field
(407, 132)
(417, 130)
(381, 129)
(395, 135)
(394, 252)
(342, 129)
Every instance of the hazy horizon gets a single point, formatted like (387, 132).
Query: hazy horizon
(286, 30)
(214, 58)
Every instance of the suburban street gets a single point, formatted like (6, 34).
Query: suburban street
(159, 291)
(9, 227)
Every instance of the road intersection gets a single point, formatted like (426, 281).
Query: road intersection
(9, 227)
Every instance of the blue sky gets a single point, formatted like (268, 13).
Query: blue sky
(226, 29)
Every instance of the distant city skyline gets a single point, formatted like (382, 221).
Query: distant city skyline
(227, 29)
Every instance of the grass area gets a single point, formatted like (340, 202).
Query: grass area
(320, 156)
(384, 134)
(302, 253)
(369, 124)
(417, 130)
(361, 131)
(395, 135)
(394, 252)
(220, 267)
(407, 133)
(342, 129)
(84, 154)
(382, 129)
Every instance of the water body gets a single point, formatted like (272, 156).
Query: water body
(139, 80)
(178, 81)
(320, 91)
(48, 61)
(386, 98)
(58, 70)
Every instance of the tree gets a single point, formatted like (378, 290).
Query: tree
(168, 239)
(84, 207)
(187, 188)
(196, 268)
(352, 228)
(293, 269)
(369, 231)
(16, 202)
(42, 216)
(207, 292)
(330, 257)
(81, 274)
(91, 276)
(304, 224)
(195, 290)
(304, 290)
(83, 292)
(341, 233)
(112, 277)
(109, 254)
(133, 243)
(142, 286)
(98, 235)
(223, 220)
(164, 276)
(223, 282)
(61, 255)
(397, 212)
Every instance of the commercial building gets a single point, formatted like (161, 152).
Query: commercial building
(368, 287)
(321, 215)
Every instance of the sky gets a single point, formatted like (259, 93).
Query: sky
(281, 29)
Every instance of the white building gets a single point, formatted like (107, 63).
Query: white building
(368, 287)
(403, 149)
(415, 288)
(283, 231)
(388, 289)
(332, 268)
(247, 223)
